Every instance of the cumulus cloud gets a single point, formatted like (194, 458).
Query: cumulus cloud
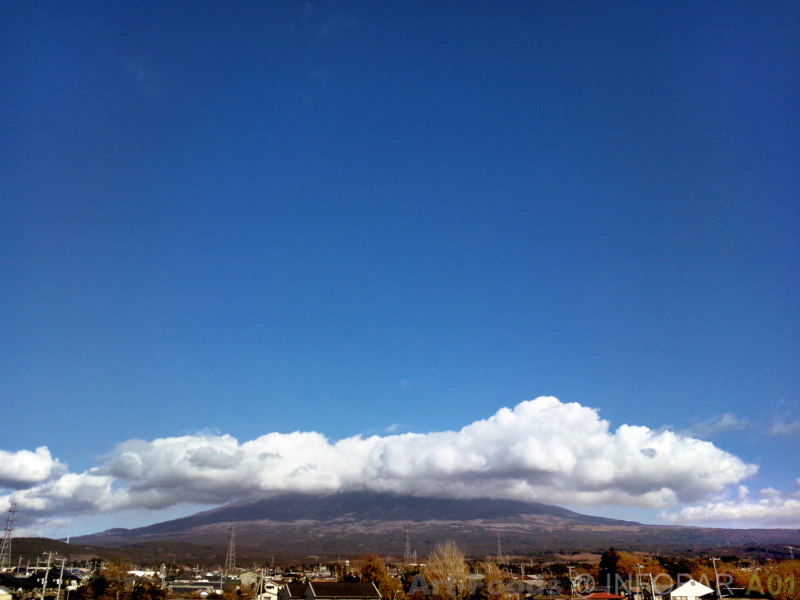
(542, 450)
(771, 509)
(25, 468)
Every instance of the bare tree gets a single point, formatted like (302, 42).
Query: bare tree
(448, 572)
(374, 570)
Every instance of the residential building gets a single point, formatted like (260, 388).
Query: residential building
(689, 590)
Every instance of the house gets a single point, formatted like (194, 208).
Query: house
(191, 588)
(248, 580)
(17, 584)
(341, 591)
(689, 590)
(292, 591)
(270, 589)
(523, 589)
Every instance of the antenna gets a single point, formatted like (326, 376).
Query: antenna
(5, 548)
(407, 554)
(230, 559)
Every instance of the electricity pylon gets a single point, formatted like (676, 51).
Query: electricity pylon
(407, 554)
(5, 548)
(230, 559)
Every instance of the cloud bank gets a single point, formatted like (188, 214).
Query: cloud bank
(771, 509)
(541, 450)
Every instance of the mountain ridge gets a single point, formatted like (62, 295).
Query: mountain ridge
(352, 523)
(364, 506)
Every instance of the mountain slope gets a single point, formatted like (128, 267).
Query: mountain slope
(356, 507)
(297, 525)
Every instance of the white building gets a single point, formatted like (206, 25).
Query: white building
(690, 590)
(269, 590)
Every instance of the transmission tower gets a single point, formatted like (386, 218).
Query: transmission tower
(5, 548)
(499, 550)
(230, 559)
(407, 554)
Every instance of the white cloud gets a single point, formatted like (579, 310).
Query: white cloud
(541, 450)
(771, 509)
(24, 468)
(786, 421)
(716, 425)
(783, 427)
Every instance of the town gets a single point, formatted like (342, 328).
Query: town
(448, 573)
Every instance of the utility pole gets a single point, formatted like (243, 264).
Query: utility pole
(60, 579)
(791, 551)
(46, 573)
(5, 547)
(639, 580)
(716, 576)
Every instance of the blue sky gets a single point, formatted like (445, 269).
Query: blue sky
(234, 219)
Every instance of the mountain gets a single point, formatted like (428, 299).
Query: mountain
(347, 523)
(357, 507)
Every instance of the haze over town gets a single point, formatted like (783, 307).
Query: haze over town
(531, 251)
